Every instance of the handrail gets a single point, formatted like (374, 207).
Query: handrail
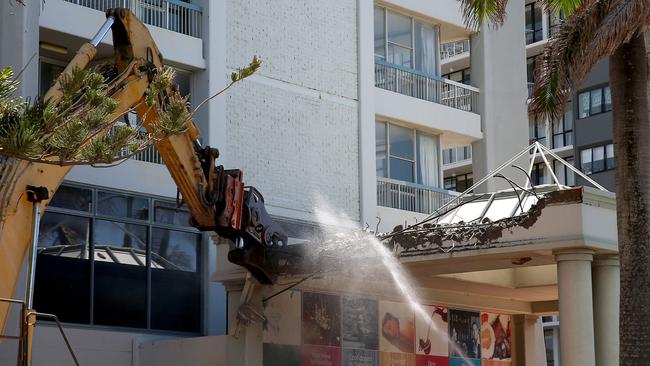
(383, 62)
(417, 185)
(26, 323)
(174, 15)
(424, 86)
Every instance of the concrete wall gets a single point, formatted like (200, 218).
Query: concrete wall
(201, 351)
(293, 127)
(91, 346)
(498, 70)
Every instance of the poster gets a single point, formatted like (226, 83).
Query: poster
(432, 333)
(282, 319)
(321, 319)
(280, 355)
(464, 334)
(360, 357)
(457, 361)
(424, 360)
(397, 359)
(321, 356)
(496, 343)
(396, 327)
(360, 324)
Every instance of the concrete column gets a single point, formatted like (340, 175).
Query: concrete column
(576, 307)
(528, 341)
(498, 60)
(606, 282)
(367, 157)
(19, 42)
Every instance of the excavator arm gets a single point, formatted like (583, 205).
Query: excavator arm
(216, 197)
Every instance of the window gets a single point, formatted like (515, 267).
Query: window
(533, 16)
(530, 69)
(563, 173)
(117, 259)
(459, 183)
(49, 71)
(555, 21)
(597, 159)
(406, 155)
(563, 131)
(461, 76)
(405, 41)
(538, 175)
(594, 101)
(537, 130)
(456, 154)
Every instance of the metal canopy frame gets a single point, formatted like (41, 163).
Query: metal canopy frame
(538, 149)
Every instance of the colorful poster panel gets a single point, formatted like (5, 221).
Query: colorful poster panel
(282, 319)
(321, 319)
(280, 355)
(397, 359)
(431, 333)
(397, 327)
(457, 361)
(360, 357)
(321, 356)
(496, 343)
(360, 323)
(424, 360)
(465, 334)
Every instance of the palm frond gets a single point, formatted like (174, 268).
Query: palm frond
(566, 59)
(566, 7)
(478, 12)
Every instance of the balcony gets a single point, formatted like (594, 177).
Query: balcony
(425, 87)
(174, 15)
(410, 196)
(451, 49)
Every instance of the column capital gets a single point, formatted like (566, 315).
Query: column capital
(574, 255)
(611, 260)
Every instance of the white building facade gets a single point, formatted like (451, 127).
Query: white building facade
(357, 108)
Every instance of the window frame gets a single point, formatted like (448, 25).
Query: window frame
(413, 19)
(454, 179)
(414, 132)
(603, 106)
(606, 165)
(534, 5)
(564, 132)
(538, 125)
(465, 75)
(150, 224)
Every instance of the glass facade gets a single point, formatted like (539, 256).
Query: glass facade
(116, 259)
(597, 158)
(406, 155)
(405, 41)
(594, 101)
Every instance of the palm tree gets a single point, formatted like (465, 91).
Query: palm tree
(596, 29)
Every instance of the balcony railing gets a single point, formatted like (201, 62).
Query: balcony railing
(530, 89)
(411, 197)
(426, 87)
(149, 155)
(174, 15)
(452, 49)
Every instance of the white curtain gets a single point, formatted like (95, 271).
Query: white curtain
(425, 48)
(428, 164)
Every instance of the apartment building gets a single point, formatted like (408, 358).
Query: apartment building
(379, 111)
